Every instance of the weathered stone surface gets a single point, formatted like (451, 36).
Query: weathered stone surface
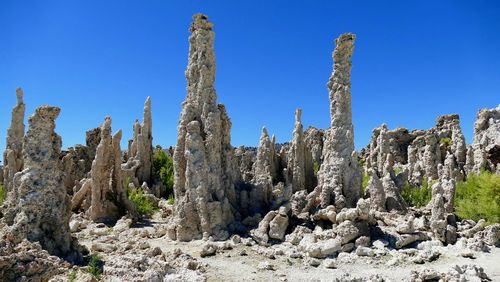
(263, 167)
(313, 138)
(438, 218)
(38, 208)
(377, 194)
(300, 165)
(104, 193)
(12, 156)
(484, 153)
(29, 261)
(203, 159)
(339, 177)
(277, 227)
(141, 148)
(393, 198)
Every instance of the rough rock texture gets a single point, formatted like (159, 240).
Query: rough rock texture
(377, 194)
(313, 138)
(38, 206)
(484, 153)
(421, 152)
(108, 195)
(300, 165)
(103, 196)
(77, 160)
(455, 273)
(339, 177)
(245, 158)
(398, 139)
(394, 200)
(203, 158)
(141, 147)
(12, 156)
(29, 261)
(263, 167)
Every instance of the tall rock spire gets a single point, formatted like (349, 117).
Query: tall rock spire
(12, 157)
(339, 177)
(203, 172)
(144, 145)
(300, 165)
(38, 207)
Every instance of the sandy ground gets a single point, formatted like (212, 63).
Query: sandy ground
(231, 266)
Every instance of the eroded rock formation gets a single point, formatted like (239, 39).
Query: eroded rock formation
(38, 208)
(12, 156)
(300, 165)
(313, 138)
(339, 177)
(484, 153)
(104, 196)
(141, 148)
(203, 165)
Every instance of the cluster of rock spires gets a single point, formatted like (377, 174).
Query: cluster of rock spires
(306, 193)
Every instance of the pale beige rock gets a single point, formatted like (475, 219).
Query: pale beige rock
(339, 177)
(12, 156)
(107, 193)
(204, 165)
(141, 148)
(300, 165)
(38, 208)
(484, 153)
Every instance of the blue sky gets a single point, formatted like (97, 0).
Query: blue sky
(413, 61)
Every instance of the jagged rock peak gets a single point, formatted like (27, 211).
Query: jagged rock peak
(203, 158)
(38, 208)
(12, 157)
(200, 21)
(339, 177)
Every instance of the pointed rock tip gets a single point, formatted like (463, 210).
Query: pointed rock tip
(298, 114)
(19, 94)
(47, 111)
(200, 21)
(345, 37)
(264, 130)
(118, 135)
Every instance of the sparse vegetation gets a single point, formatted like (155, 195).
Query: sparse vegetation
(2, 194)
(446, 142)
(171, 200)
(315, 168)
(364, 183)
(479, 197)
(163, 167)
(95, 266)
(72, 276)
(417, 196)
(397, 170)
(143, 205)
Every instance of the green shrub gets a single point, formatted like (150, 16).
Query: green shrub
(95, 266)
(397, 170)
(364, 183)
(142, 204)
(445, 142)
(171, 200)
(72, 276)
(479, 197)
(163, 167)
(417, 196)
(2, 194)
(315, 168)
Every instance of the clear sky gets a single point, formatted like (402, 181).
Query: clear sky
(413, 61)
